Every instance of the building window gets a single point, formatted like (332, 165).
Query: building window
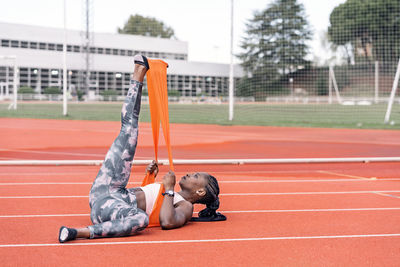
(130, 53)
(42, 46)
(108, 51)
(100, 50)
(115, 51)
(60, 47)
(5, 43)
(24, 44)
(52, 47)
(14, 43)
(77, 48)
(33, 45)
(122, 52)
(69, 48)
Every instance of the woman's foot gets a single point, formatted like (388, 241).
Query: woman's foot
(141, 67)
(66, 234)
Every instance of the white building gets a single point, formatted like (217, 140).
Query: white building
(39, 58)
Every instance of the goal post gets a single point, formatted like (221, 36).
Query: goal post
(333, 82)
(13, 59)
(393, 93)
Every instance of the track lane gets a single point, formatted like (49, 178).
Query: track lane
(360, 169)
(225, 188)
(275, 202)
(320, 252)
(238, 226)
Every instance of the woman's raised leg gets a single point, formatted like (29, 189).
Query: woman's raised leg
(114, 212)
(114, 174)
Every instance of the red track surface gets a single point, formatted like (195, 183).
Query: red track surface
(278, 215)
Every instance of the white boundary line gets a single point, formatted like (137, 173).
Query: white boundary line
(101, 156)
(94, 172)
(345, 175)
(387, 195)
(225, 212)
(202, 240)
(59, 183)
(45, 215)
(220, 182)
(232, 194)
(205, 161)
(309, 193)
(53, 152)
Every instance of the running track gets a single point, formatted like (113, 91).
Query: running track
(278, 215)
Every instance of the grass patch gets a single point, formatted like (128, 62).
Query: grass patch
(302, 115)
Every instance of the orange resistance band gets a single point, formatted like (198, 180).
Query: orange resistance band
(158, 98)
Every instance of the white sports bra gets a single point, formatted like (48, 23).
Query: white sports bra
(151, 193)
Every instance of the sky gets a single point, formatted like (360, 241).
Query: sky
(204, 24)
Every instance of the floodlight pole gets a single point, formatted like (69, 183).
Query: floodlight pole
(65, 112)
(330, 85)
(376, 99)
(15, 85)
(231, 96)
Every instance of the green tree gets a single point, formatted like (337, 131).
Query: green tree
(369, 28)
(146, 26)
(275, 44)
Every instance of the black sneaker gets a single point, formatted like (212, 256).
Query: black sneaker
(66, 234)
(142, 60)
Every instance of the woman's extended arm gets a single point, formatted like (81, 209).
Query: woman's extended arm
(173, 217)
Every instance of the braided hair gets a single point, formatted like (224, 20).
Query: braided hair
(211, 200)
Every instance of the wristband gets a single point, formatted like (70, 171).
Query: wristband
(169, 193)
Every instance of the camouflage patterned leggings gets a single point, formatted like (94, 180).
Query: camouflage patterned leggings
(114, 210)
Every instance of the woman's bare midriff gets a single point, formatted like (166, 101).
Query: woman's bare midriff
(140, 198)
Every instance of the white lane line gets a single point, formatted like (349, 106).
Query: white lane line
(308, 193)
(97, 167)
(13, 174)
(345, 175)
(225, 212)
(40, 197)
(52, 152)
(308, 180)
(386, 195)
(221, 182)
(57, 183)
(88, 243)
(64, 129)
(231, 194)
(310, 210)
(44, 215)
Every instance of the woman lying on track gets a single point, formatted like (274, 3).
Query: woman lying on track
(120, 211)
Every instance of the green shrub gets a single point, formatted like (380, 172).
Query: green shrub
(322, 84)
(80, 94)
(26, 90)
(108, 93)
(342, 77)
(174, 93)
(52, 91)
